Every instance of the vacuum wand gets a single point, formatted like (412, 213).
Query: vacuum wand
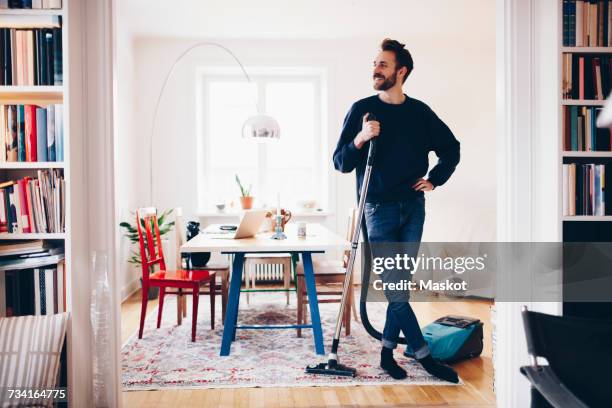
(332, 367)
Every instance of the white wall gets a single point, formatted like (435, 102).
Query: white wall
(454, 73)
(131, 172)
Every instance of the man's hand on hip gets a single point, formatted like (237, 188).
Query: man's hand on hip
(369, 130)
(423, 185)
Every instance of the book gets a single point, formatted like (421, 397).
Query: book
(3, 212)
(30, 21)
(57, 56)
(21, 156)
(59, 132)
(12, 135)
(21, 247)
(565, 179)
(31, 134)
(51, 133)
(41, 134)
(23, 204)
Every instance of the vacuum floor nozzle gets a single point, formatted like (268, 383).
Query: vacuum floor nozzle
(334, 370)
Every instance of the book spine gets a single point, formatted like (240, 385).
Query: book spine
(49, 60)
(51, 133)
(41, 134)
(30, 203)
(29, 50)
(44, 74)
(43, 291)
(9, 208)
(12, 139)
(31, 134)
(565, 189)
(37, 308)
(23, 202)
(3, 214)
(574, 128)
(59, 133)
(21, 133)
(579, 23)
(57, 56)
(566, 23)
(3, 132)
(572, 24)
(7, 59)
(14, 55)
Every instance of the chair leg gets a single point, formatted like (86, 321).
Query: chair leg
(300, 306)
(213, 294)
(184, 305)
(349, 307)
(143, 308)
(287, 276)
(224, 290)
(179, 307)
(253, 270)
(160, 308)
(247, 277)
(194, 318)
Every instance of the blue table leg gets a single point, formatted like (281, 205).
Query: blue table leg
(313, 302)
(232, 304)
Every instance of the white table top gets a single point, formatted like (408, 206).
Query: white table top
(318, 238)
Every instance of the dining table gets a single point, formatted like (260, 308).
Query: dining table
(318, 240)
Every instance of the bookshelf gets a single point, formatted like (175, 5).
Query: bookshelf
(43, 96)
(575, 34)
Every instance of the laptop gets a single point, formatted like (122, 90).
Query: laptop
(248, 227)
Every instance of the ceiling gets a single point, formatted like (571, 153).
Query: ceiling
(304, 19)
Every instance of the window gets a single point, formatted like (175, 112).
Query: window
(294, 166)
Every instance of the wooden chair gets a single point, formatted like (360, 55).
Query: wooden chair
(252, 260)
(151, 253)
(221, 269)
(329, 278)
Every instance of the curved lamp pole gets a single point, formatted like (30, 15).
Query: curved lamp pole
(259, 127)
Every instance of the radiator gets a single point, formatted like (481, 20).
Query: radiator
(266, 273)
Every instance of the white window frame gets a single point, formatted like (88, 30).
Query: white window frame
(261, 76)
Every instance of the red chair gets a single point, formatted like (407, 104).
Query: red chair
(184, 281)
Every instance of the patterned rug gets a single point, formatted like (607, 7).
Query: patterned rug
(166, 358)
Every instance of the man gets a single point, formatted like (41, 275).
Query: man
(406, 130)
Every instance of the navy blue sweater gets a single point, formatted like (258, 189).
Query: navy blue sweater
(408, 132)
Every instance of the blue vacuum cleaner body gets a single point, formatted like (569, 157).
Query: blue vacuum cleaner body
(452, 338)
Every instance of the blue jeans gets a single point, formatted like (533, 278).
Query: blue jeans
(398, 222)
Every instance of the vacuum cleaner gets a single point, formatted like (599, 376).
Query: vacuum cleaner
(333, 367)
(450, 338)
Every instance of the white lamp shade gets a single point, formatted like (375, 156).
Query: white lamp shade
(261, 127)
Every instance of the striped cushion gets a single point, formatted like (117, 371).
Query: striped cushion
(30, 348)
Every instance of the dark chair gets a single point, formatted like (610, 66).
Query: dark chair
(579, 355)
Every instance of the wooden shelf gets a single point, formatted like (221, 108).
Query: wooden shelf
(583, 102)
(41, 95)
(587, 218)
(586, 154)
(31, 165)
(6, 235)
(587, 50)
(32, 12)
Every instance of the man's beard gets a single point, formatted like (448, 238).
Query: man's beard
(387, 83)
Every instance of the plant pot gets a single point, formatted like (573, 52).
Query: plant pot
(246, 202)
(153, 291)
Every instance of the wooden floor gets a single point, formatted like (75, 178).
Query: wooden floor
(477, 375)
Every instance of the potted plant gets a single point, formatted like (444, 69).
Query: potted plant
(131, 232)
(246, 201)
